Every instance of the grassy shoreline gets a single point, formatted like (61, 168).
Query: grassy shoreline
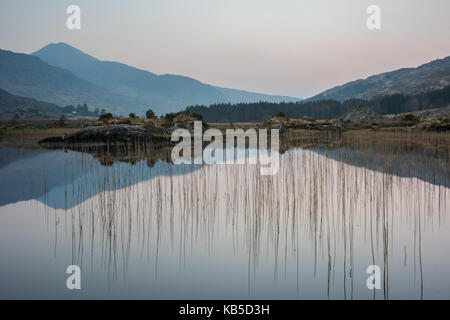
(27, 133)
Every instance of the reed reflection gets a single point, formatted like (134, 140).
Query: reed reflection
(319, 220)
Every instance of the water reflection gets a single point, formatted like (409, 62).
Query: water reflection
(143, 229)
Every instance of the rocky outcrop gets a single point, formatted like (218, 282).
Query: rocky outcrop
(362, 114)
(115, 134)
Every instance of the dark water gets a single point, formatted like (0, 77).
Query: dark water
(154, 230)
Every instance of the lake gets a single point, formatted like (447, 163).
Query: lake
(140, 227)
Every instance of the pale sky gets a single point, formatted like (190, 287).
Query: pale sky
(288, 47)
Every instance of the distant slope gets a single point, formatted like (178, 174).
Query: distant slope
(29, 76)
(430, 76)
(237, 96)
(163, 93)
(12, 106)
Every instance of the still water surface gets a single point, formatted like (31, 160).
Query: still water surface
(154, 230)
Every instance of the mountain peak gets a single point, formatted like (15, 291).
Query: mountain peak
(59, 45)
(60, 52)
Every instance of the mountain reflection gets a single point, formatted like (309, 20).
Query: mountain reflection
(310, 231)
(46, 174)
(318, 215)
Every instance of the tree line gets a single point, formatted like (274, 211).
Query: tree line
(321, 109)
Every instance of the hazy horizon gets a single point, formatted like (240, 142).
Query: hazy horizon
(295, 48)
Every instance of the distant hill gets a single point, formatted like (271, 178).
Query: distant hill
(239, 96)
(163, 93)
(29, 76)
(436, 113)
(15, 107)
(430, 76)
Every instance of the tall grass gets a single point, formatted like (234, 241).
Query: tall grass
(324, 210)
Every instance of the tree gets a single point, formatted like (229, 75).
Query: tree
(132, 115)
(62, 120)
(106, 116)
(197, 116)
(170, 116)
(281, 115)
(150, 114)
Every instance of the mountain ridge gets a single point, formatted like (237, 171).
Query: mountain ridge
(163, 93)
(429, 76)
(15, 107)
(28, 76)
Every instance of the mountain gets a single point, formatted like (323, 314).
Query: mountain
(430, 76)
(13, 107)
(163, 93)
(29, 76)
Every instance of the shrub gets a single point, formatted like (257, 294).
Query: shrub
(197, 116)
(150, 114)
(411, 117)
(106, 116)
(62, 120)
(170, 116)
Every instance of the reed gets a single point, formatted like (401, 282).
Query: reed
(327, 214)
